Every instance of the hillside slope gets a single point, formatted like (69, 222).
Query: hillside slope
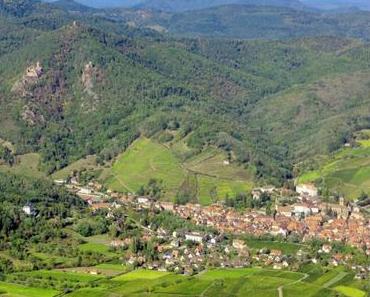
(86, 85)
(247, 22)
(180, 5)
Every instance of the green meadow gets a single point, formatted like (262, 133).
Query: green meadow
(287, 247)
(350, 292)
(174, 163)
(15, 290)
(141, 274)
(146, 159)
(26, 165)
(58, 275)
(347, 172)
(242, 282)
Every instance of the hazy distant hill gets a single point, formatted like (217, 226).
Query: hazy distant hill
(72, 5)
(184, 5)
(249, 22)
(240, 21)
(338, 4)
(181, 5)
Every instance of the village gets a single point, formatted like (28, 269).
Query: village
(189, 252)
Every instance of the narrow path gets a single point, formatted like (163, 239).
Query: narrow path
(281, 288)
(334, 280)
(123, 183)
(205, 291)
(280, 291)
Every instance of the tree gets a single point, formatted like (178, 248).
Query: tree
(213, 194)
(269, 209)
(6, 155)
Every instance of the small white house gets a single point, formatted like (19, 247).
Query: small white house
(60, 182)
(194, 237)
(84, 191)
(299, 209)
(309, 190)
(29, 210)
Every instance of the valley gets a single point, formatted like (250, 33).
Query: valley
(184, 148)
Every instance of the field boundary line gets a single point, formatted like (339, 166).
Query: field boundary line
(334, 280)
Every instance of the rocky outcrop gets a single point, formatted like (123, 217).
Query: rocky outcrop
(89, 74)
(32, 74)
(32, 117)
(34, 71)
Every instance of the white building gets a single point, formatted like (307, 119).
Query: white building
(194, 237)
(309, 190)
(84, 191)
(299, 209)
(29, 210)
(60, 182)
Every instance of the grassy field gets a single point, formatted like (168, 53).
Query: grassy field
(88, 163)
(243, 282)
(109, 270)
(173, 163)
(286, 247)
(146, 159)
(14, 290)
(59, 275)
(347, 172)
(350, 292)
(99, 244)
(141, 274)
(26, 165)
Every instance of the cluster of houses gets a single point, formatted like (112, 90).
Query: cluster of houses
(353, 230)
(308, 218)
(188, 252)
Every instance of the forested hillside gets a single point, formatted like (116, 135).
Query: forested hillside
(249, 22)
(190, 5)
(179, 5)
(78, 84)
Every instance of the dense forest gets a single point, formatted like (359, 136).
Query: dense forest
(100, 84)
(32, 211)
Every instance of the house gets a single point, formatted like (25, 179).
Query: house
(256, 193)
(119, 243)
(194, 237)
(145, 202)
(168, 206)
(239, 244)
(84, 191)
(326, 248)
(276, 253)
(299, 209)
(60, 182)
(29, 210)
(284, 210)
(309, 190)
(340, 210)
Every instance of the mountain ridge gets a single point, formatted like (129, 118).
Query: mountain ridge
(99, 85)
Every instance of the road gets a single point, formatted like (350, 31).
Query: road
(281, 288)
